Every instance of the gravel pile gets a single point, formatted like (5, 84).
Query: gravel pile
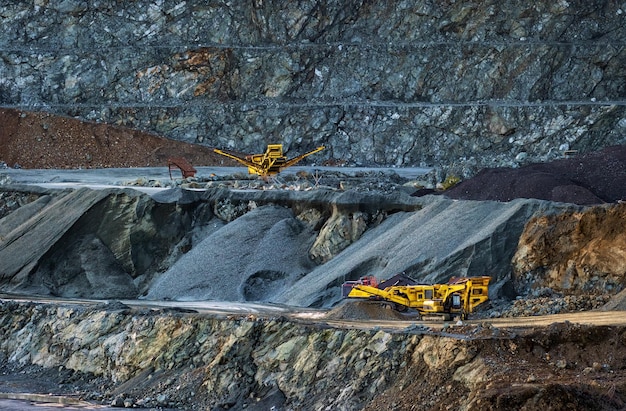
(363, 310)
(555, 305)
(587, 179)
(63, 142)
(250, 259)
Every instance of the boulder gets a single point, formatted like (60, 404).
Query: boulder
(577, 251)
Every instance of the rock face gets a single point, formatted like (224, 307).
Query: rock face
(37, 227)
(88, 243)
(197, 362)
(457, 85)
(281, 246)
(338, 232)
(578, 252)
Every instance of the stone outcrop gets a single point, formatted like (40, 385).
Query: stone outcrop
(161, 359)
(577, 252)
(455, 85)
(338, 232)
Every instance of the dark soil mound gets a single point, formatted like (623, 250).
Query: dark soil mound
(586, 179)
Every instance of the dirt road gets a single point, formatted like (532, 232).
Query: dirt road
(314, 316)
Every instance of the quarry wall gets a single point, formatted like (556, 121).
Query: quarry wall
(164, 358)
(224, 361)
(455, 85)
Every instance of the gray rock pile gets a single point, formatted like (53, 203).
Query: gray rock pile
(524, 307)
(252, 258)
(282, 246)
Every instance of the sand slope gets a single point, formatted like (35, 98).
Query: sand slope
(251, 258)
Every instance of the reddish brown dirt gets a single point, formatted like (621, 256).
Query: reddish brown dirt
(41, 140)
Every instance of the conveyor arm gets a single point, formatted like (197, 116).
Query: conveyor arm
(243, 161)
(294, 160)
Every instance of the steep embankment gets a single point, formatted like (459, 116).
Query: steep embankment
(293, 247)
(85, 243)
(196, 362)
(30, 231)
(455, 85)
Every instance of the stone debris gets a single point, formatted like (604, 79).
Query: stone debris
(524, 307)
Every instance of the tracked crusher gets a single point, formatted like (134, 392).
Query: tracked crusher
(458, 298)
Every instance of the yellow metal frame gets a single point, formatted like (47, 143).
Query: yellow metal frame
(272, 162)
(432, 299)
